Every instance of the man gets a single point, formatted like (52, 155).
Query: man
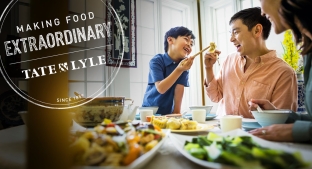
(253, 71)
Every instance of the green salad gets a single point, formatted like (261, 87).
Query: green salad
(241, 151)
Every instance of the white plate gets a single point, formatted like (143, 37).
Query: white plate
(139, 162)
(179, 141)
(200, 128)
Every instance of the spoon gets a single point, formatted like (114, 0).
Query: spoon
(259, 109)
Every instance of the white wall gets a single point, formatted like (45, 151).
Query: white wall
(274, 42)
(147, 47)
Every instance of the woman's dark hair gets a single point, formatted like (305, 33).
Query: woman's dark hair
(300, 9)
(251, 17)
(176, 32)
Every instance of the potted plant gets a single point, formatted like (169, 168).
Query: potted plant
(291, 54)
(292, 57)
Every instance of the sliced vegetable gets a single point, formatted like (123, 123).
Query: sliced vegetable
(241, 151)
(150, 145)
(134, 153)
(199, 153)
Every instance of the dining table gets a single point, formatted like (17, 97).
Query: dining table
(13, 149)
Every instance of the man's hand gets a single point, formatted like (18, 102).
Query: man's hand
(263, 103)
(211, 58)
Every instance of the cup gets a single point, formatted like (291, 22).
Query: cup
(230, 122)
(199, 115)
(144, 113)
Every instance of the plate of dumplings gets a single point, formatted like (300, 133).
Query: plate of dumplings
(179, 125)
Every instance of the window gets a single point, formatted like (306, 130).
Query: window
(249, 3)
(215, 28)
(87, 81)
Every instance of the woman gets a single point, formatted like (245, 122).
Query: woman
(294, 15)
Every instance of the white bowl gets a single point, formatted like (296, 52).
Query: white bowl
(154, 108)
(23, 114)
(269, 117)
(207, 108)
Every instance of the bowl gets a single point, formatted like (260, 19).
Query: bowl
(207, 108)
(98, 109)
(23, 114)
(154, 108)
(269, 117)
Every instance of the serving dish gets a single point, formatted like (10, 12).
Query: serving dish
(139, 162)
(179, 142)
(200, 128)
(98, 109)
(270, 117)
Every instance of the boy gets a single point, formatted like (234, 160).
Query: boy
(253, 71)
(168, 75)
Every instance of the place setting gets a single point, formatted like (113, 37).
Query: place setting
(208, 116)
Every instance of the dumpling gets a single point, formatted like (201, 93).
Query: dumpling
(173, 124)
(188, 125)
(213, 47)
(159, 121)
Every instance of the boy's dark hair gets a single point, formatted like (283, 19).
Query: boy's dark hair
(176, 32)
(251, 17)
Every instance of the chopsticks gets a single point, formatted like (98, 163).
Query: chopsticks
(200, 52)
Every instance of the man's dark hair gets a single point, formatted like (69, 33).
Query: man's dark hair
(251, 17)
(176, 32)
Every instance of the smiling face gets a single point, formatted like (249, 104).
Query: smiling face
(181, 46)
(270, 10)
(243, 39)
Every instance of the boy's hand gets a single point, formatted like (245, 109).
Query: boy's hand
(186, 64)
(211, 58)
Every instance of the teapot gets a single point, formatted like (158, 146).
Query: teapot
(128, 112)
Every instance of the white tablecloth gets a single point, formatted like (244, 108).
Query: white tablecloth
(12, 148)
(13, 141)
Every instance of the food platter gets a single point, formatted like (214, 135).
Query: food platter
(200, 128)
(180, 140)
(139, 162)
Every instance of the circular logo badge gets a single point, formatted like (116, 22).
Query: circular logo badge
(76, 43)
